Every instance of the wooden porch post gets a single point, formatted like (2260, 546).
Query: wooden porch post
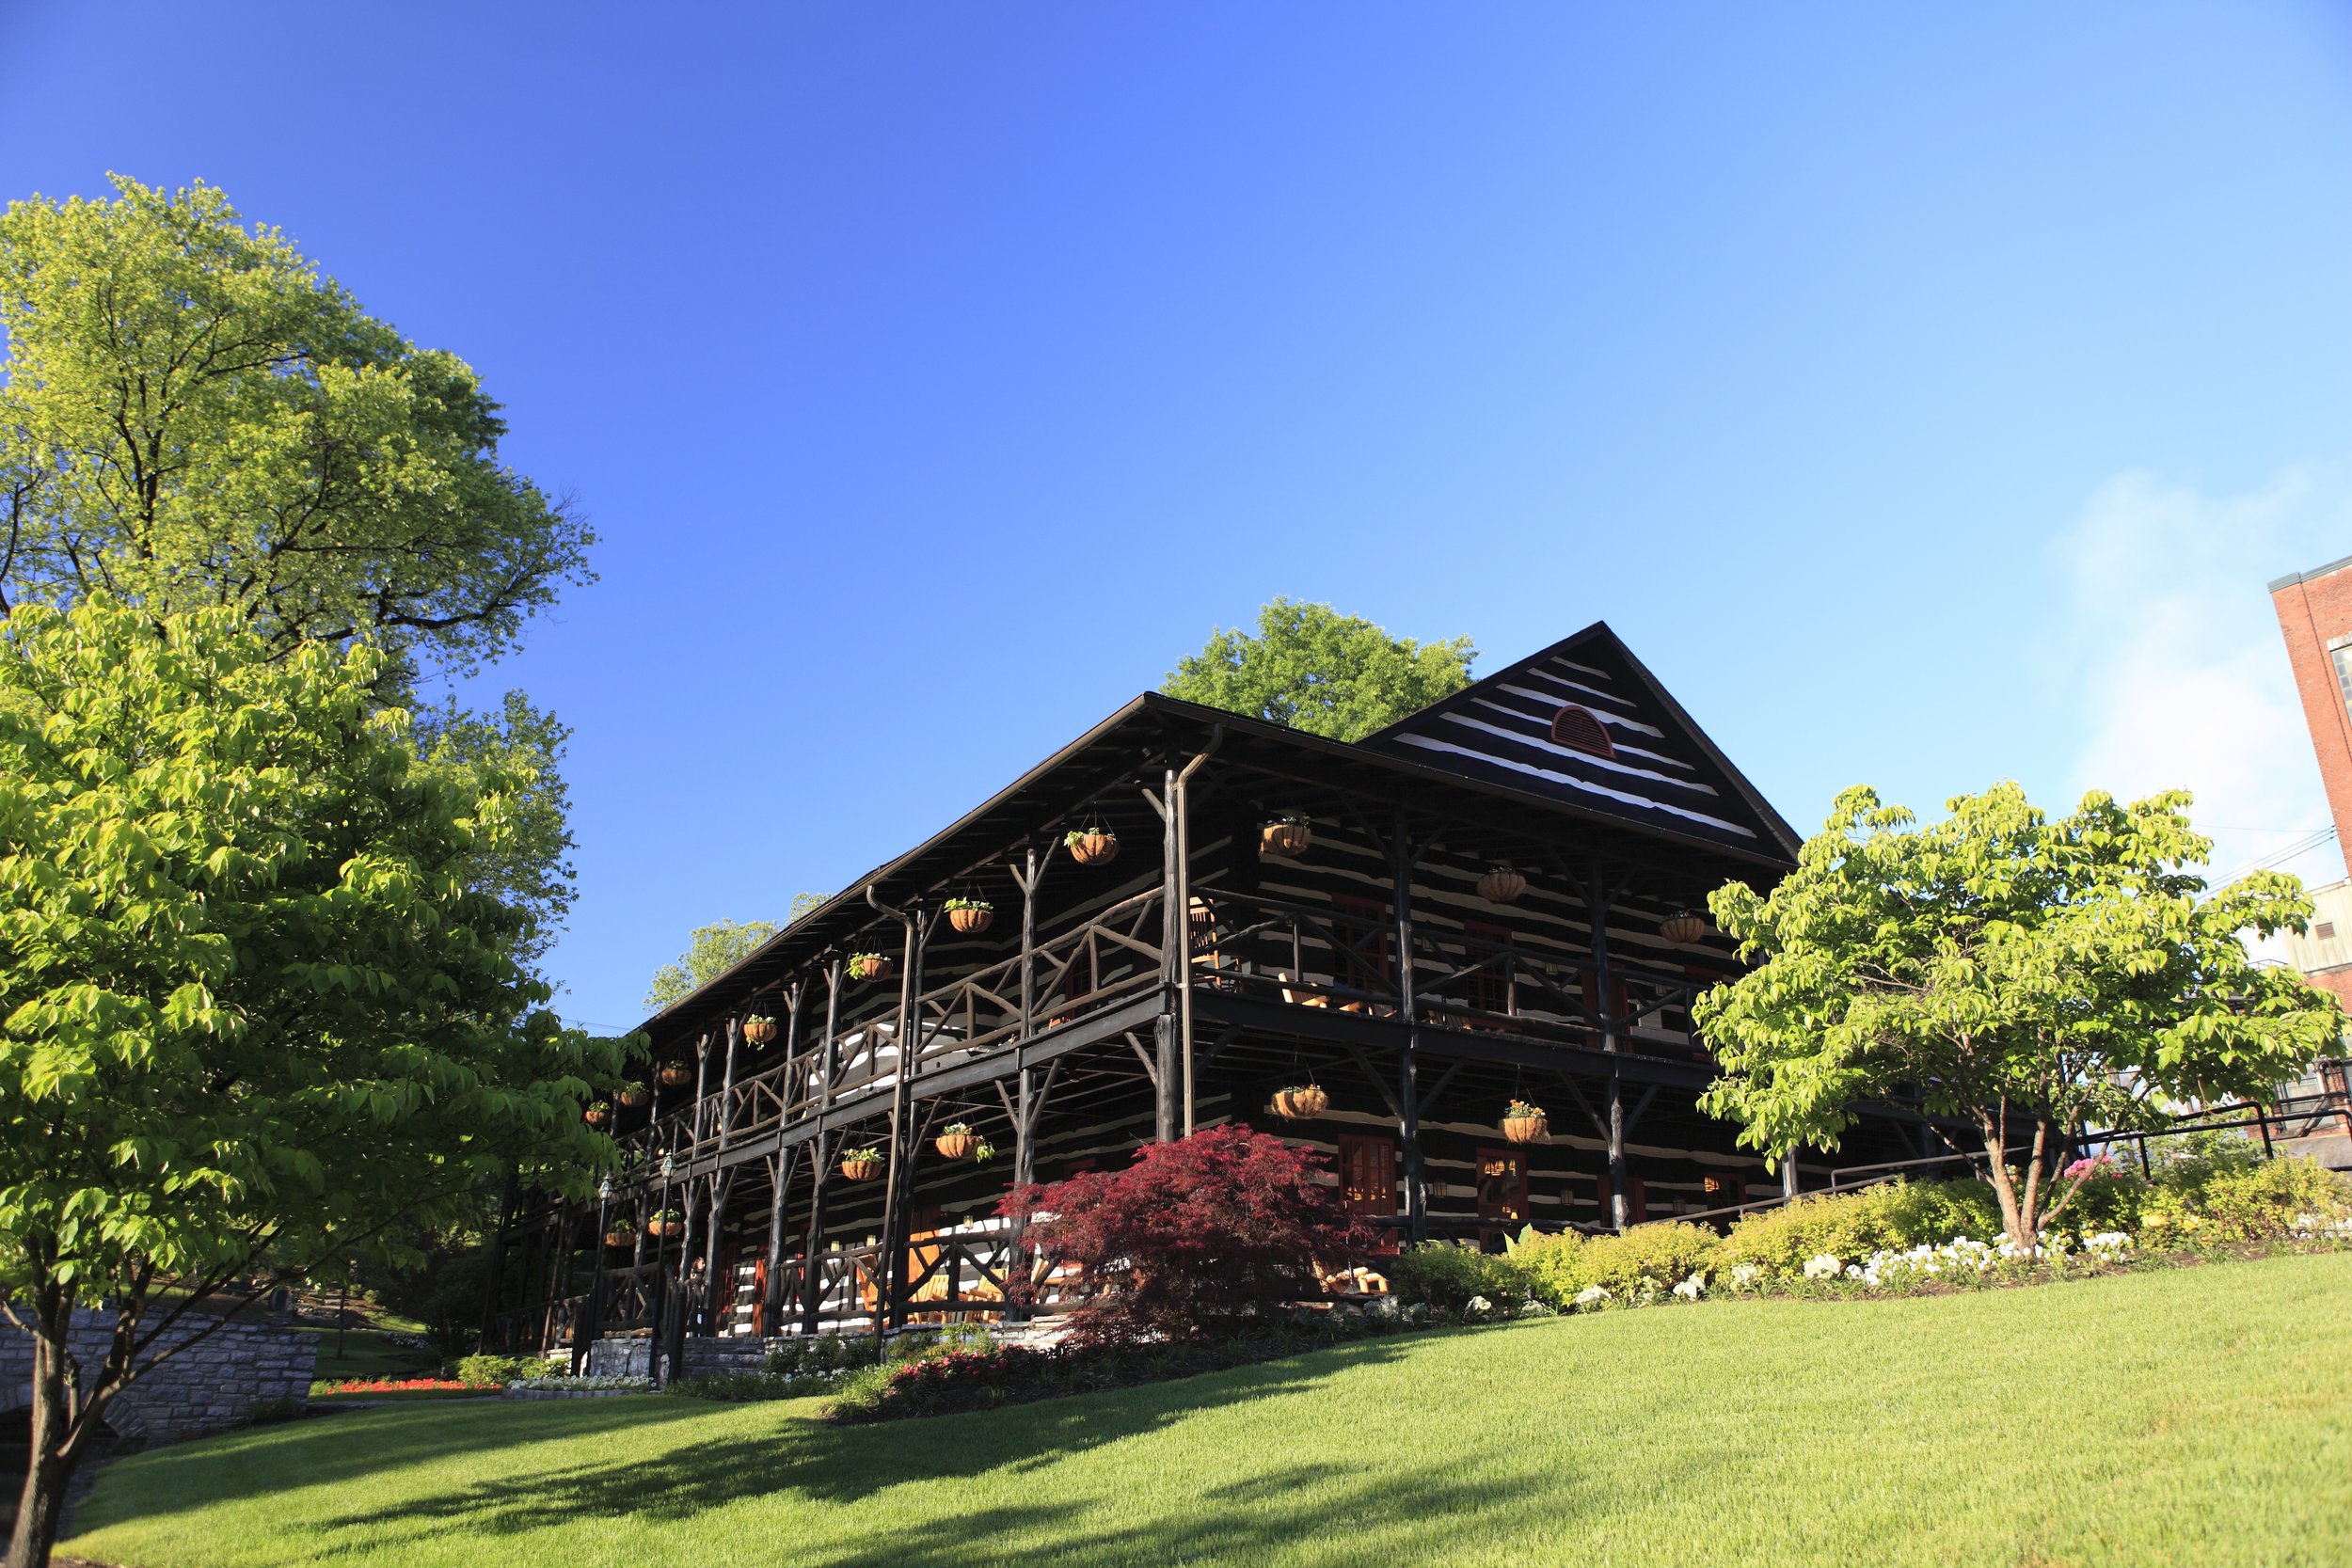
(889, 1313)
(720, 1183)
(1597, 902)
(694, 1147)
(1172, 930)
(1401, 858)
(812, 1277)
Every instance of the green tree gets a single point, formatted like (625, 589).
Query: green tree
(2036, 977)
(254, 1014)
(1316, 669)
(521, 750)
(194, 416)
(710, 952)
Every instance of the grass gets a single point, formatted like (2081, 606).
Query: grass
(369, 1353)
(2192, 1416)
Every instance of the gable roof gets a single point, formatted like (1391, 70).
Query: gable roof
(1662, 771)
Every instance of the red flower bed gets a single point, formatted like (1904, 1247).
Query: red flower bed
(408, 1385)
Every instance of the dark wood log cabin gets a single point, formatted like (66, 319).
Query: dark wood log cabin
(1492, 899)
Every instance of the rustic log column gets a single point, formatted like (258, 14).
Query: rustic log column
(1172, 932)
(812, 1274)
(721, 1184)
(889, 1313)
(1180, 913)
(694, 1147)
(1401, 860)
(1597, 902)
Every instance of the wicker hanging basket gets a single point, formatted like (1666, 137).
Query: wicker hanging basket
(956, 1146)
(1093, 846)
(1301, 1105)
(660, 1226)
(1684, 928)
(633, 1097)
(1285, 838)
(676, 1075)
(1526, 1129)
(870, 966)
(971, 919)
(620, 1236)
(860, 1167)
(1501, 885)
(758, 1031)
(596, 1115)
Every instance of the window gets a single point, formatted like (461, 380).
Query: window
(1362, 961)
(2342, 658)
(1578, 730)
(1490, 990)
(2324, 931)
(1502, 1186)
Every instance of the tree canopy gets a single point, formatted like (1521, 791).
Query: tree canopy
(1316, 669)
(710, 952)
(255, 1010)
(2037, 977)
(194, 416)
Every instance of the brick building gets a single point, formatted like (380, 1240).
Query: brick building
(2316, 616)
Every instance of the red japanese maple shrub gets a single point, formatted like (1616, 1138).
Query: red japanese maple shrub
(1206, 1236)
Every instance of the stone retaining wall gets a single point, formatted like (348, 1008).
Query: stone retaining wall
(209, 1386)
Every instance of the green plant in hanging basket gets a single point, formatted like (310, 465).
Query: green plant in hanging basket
(954, 904)
(868, 966)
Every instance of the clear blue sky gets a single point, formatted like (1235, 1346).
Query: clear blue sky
(1926, 393)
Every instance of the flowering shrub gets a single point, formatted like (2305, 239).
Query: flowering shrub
(1648, 1260)
(1854, 1225)
(401, 1385)
(1447, 1276)
(2224, 1200)
(583, 1384)
(1206, 1235)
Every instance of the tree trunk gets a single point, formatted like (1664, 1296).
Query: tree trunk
(2013, 1220)
(58, 1441)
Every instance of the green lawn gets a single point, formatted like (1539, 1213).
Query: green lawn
(2195, 1416)
(368, 1353)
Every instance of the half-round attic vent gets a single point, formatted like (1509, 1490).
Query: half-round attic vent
(1578, 730)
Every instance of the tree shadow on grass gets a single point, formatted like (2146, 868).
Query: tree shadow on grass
(690, 1471)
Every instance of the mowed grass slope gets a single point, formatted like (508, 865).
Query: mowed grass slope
(2200, 1416)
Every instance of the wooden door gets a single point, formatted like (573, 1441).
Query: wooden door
(1367, 1182)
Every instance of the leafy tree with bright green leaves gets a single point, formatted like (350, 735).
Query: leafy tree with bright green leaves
(194, 416)
(255, 1014)
(1316, 669)
(2035, 977)
(710, 952)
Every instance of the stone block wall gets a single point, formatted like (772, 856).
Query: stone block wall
(209, 1387)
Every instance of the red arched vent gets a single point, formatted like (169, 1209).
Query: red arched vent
(1578, 730)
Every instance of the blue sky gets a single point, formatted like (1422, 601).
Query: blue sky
(1925, 393)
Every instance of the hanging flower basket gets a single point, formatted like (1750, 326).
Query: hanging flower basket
(596, 1114)
(1501, 885)
(632, 1096)
(861, 1165)
(1092, 846)
(676, 1075)
(1523, 1123)
(758, 1031)
(664, 1223)
(1288, 836)
(1300, 1103)
(1684, 928)
(957, 1143)
(620, 1236)
(970, 916)
(870, 966)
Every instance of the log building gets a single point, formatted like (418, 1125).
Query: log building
(1165, 925)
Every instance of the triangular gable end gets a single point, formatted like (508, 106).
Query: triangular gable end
(1584, 722)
